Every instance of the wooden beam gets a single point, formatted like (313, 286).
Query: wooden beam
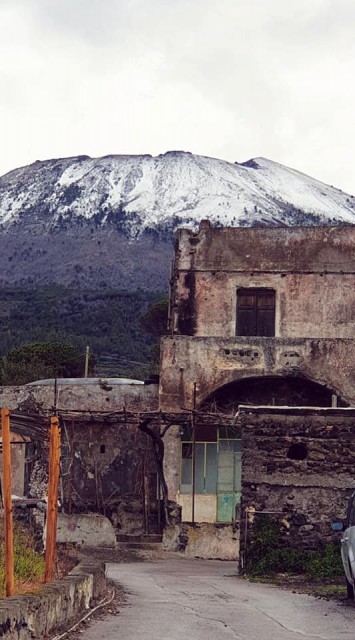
(7, 499)
(52, 506)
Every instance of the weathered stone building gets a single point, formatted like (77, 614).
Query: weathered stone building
(257, 380)
(297, 463)
(258, 316)
(107, 465)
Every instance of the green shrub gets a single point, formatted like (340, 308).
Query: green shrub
(28, 564)
(267, 554)
(326, 564)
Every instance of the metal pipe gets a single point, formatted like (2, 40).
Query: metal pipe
(193, 424)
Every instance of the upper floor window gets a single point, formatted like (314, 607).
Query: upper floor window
(255, 312)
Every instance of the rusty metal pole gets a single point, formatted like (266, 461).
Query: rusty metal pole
(52, 506)
(193, 421)
(7, 498)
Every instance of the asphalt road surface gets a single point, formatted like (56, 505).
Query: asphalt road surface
(181, 599)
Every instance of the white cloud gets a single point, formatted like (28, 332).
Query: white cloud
(227, 78)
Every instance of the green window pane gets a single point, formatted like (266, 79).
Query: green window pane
(229, 445)
(186, 471)
(211, 468)
(229, 433)
(225, 471)
(199, 467)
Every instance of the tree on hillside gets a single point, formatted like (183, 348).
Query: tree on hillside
(41, 360)
(155, 322)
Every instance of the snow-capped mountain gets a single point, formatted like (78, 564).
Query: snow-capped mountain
(146, 192)
(88, 220)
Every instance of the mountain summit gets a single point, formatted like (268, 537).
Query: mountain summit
(137, 193)
(85, 221)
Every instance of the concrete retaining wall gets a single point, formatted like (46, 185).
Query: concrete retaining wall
(86, 529)
(94, 395)
(204, 540)
(56, 606)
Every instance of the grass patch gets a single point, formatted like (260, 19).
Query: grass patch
(330, 590)
(28, 564)
(326, 588)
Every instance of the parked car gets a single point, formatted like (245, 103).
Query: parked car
(348, 545)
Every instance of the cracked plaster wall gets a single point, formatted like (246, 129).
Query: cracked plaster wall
(312, 271)
(214, 362)
(84, 397)
(102, 463)
(103, 471)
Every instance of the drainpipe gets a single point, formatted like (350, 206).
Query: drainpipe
(193, 423)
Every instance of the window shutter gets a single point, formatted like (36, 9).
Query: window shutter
(255, 312)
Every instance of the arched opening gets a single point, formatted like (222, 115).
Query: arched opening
(272, 390)
(217, 451)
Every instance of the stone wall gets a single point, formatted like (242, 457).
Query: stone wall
(306, 493)
(203, 540)
(56, 606)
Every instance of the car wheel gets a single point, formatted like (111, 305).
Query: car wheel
(349, 589)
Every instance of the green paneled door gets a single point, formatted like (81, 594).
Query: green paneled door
(217, 471)
(228, 479)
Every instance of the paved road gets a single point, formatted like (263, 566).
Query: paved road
(180, 599)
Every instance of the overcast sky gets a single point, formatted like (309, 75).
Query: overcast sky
(233, 79)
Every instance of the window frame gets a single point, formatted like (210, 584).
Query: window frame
(234, 446)
(257, 293)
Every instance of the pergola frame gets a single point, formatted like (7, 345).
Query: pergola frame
(46, 428)
(35, 427)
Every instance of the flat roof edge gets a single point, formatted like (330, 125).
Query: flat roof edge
(284, 410)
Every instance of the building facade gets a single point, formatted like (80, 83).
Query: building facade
(258, 316)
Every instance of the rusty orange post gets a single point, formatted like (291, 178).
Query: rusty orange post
(52, 506)
(7, 498)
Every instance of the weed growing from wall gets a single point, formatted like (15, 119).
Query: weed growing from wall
(28, 564)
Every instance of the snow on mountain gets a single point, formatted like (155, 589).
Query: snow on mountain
(137, 193)
(95, 223)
